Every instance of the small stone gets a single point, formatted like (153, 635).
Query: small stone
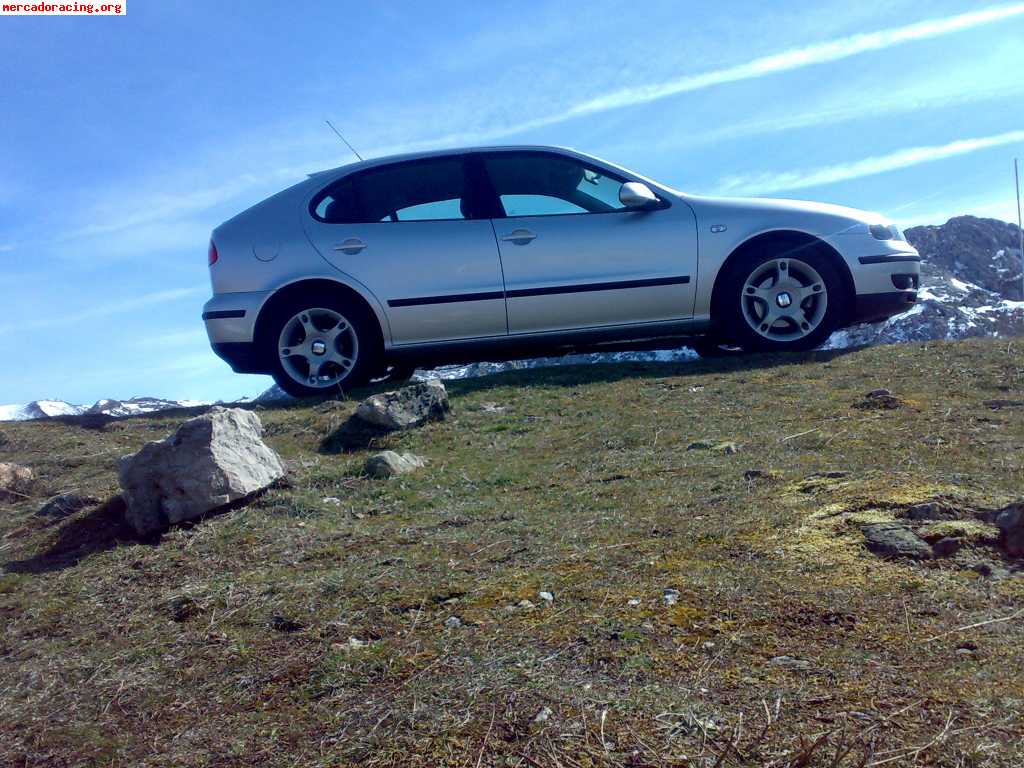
(547, 597)
(727, 448)
(331, 500)
(353, 644)
(647, 626)
(882, 392)
(930, 510)
(895, 540)
(181, 607)
(634, 601)
(789, 662)
(708, 645)
(453, 622)
(670, 596)
(543, 715)
(767, 475)
(947, 546)
(700, 445)
(1010, 522)
(525, 605)
(390, 464)
(285, 624)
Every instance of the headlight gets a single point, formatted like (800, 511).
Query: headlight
(885, 232)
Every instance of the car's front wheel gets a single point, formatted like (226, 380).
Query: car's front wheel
(783, 302)
(321, 347)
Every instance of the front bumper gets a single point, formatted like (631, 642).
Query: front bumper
(873, 307)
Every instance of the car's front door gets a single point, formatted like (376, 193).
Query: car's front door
(575, 257)
(407, 232)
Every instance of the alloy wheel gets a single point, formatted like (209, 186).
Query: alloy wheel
(318, 348)
(784, 299)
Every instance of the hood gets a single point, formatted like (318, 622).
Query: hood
(760, 205)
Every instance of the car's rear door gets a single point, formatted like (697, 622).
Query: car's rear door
(574, 257)
(407, 232)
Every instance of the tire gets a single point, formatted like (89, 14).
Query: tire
(320, 328)
(787, 300)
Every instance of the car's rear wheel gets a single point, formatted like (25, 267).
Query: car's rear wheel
(777, 303)
(321, 346)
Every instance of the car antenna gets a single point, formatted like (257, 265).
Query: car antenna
(351, 148)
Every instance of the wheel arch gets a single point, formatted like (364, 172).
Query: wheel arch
(772, 240)
(292, 291)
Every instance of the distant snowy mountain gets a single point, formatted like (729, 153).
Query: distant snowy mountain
(43, 409)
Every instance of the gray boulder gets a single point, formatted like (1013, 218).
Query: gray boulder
(895, 540)
(407, 407)
(1010, 521)
(16, 481)
(390, 464)
(211, 460)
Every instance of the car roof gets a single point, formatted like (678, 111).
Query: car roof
(405, 156)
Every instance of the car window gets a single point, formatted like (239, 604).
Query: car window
(429, 190)
(534, 184)
(537, 205)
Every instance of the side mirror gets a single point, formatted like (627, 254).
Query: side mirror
(638, 196)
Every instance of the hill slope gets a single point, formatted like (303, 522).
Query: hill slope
(702, 612)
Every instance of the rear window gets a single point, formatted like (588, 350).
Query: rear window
(428, 190)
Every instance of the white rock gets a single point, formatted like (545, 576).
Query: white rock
(543, 715)
(210, 461)
(547, 597)
(390, 464)
(15, 481)
(670, 596)
(407, 407)
(453, 622)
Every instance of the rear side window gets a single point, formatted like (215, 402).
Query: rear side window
(538, 184)
(428, 190)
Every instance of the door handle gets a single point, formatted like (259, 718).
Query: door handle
(351, 246)
(519, 237)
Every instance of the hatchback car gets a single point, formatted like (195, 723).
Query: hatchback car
(504, 252)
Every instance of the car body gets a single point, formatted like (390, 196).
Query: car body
(541, 250)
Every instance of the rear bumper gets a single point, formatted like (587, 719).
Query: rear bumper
(241, 356)
(872, 307)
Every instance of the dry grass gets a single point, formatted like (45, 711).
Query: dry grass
(228, 643)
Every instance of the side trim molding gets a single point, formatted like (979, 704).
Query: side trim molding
(889, 259)
(546, 291)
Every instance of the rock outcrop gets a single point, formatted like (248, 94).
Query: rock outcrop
(210, 461)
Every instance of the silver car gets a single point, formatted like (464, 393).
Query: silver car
(503, 252)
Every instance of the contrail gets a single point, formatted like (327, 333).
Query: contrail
(785, 61)
(763, 183)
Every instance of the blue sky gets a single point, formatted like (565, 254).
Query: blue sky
(125, 140)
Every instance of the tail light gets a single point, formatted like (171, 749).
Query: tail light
(211, 255)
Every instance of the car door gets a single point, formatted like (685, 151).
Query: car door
(575, 257)
(407, 232)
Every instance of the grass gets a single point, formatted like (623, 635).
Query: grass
(308, 628)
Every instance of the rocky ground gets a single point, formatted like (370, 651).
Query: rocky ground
(789, 561)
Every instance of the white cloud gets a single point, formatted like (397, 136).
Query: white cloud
(764, 183)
